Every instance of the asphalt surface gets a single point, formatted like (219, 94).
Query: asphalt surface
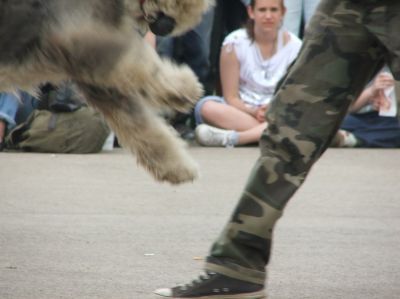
(97, 226)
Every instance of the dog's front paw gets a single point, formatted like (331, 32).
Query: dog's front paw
(179, 173)
(186, 90)
(168, 164)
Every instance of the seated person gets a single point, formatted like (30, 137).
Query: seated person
(59, 122)
(14, 109)
(372, 120)
(252, 62)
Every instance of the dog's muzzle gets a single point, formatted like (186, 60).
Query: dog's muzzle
(162, 24)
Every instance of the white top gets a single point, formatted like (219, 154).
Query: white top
(259, 77)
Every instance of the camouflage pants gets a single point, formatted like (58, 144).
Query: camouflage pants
(347, 42)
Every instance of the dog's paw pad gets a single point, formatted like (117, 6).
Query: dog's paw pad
(180, 175)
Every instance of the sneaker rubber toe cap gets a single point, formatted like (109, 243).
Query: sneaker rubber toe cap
(163, 292)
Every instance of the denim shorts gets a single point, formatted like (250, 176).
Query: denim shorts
(201, 102)
(8, 108)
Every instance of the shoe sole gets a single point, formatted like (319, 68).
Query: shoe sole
(256, 295)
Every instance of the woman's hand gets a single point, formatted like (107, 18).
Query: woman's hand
(382, 81)
(374, 94)
(379, 100)
(259, 113)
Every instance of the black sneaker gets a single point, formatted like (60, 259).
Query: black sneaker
(217, 286)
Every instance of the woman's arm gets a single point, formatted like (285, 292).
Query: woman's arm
(373, 94)
(230, 72)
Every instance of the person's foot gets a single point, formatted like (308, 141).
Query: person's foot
(345, 139)
(210, 136)
(217, 286)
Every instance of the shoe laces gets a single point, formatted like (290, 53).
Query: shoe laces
(222, 136)
(202, 277)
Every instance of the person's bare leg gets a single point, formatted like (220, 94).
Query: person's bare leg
(2, 133)
(227, 117)
(2, 129)
(252, 135)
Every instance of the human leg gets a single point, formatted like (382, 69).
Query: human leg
(252, 135)
(227, 117)
(3, 127)
(238, 127)
(332, 69)
(207, 135)
(303, 118)
(344, 138)
(372, 130)
(211, 136)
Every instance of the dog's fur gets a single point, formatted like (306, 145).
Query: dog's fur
(98, 45)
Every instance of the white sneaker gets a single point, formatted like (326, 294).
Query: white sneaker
(211, 136)
(347, 139)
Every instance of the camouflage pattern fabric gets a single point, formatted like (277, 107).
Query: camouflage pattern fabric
(346, 43)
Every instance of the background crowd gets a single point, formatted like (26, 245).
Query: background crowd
(240, 52)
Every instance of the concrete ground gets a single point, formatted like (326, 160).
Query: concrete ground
(97, 226)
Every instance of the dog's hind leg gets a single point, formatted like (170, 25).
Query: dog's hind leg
(139, 129)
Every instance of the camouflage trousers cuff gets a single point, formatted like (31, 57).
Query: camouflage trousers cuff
(236, 271)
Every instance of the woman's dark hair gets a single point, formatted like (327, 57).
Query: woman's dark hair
(250, 23)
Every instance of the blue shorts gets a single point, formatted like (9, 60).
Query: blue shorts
(8, 108)
(199, 106)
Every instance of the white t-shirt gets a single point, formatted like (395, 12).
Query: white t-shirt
(259, 77)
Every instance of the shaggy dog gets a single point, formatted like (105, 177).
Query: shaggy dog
(99, 45)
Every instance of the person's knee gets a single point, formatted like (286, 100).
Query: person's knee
(210, 110)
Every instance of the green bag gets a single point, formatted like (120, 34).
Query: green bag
(81, 131)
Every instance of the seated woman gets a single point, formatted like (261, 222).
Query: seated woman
(372, 120)
(252, 62)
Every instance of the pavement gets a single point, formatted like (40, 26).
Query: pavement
(98, 226)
